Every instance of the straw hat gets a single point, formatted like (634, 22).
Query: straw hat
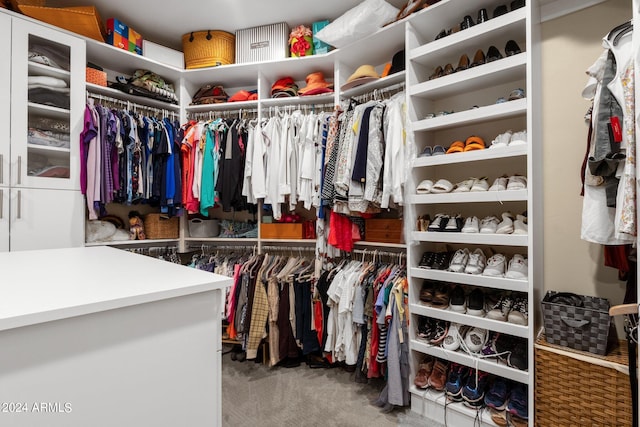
(364, 74)
(316, 84)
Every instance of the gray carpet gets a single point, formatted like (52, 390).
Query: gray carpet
(255, 395)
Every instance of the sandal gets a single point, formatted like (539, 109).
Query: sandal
(456, 147)
(442, 186)
(474, 143)
(424, 187)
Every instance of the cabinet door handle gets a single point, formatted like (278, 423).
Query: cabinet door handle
(19, 170)
(1, 204)
(1, 169)
(19, 204)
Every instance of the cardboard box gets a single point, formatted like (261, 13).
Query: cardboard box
(281, 231)
(263, 43)
(163, 54)
(319, 46)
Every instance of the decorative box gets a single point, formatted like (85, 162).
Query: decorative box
(383, 230)
(123, 37)
(263, 43)
(281, 231)
(319, 46)
(96, 77)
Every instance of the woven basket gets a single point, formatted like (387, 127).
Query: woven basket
(573, 392)
(208, 48)
(159, 226)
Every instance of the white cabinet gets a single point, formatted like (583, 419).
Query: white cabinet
(449, 107)
(40, 201)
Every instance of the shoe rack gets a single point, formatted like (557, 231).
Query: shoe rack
(452, 106)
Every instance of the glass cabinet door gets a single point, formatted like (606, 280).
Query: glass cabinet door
(47, 107)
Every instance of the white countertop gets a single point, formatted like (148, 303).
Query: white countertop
(45, 285)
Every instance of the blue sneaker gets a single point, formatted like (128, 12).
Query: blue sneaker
(473, 392)
(458, 375)
(497, 395)
(518, 401)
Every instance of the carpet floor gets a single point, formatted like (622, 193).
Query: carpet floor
(255, 395)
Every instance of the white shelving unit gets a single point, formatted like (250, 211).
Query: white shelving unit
(454, 107)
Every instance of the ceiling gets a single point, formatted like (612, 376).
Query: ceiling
(165, 22)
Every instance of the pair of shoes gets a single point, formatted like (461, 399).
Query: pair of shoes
(513, 95)
(514, 182)
(443, 222)
(516, 269)
(502, 9)
(423, 221)
(472, 185)
(464, 261)
(432, 151)
(474, 390)
(509, 139)
(518, 402)
(471, 144)
(435, 260)
(439, 113)
(511, 350)
(427, 186)
(509, 309)
(425, 368)
(473, 304)
(432, 330)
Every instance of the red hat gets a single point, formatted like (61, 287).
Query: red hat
(241, 95)
(285, 86)
(316, 84)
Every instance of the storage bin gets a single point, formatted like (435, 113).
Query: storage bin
(587, 328)
(204, 227)
(263, 43)
(578, 389)
(383, 230)
(281, 231)
(83, 20)
(160, 226)
(96, 77)
(209, 48)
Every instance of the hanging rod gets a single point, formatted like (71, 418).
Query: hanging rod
(131, 105)
(380, 93)
(288, 248)
(211, 114)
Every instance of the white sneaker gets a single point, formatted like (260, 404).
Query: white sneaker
(520, 225)
(501, 140)
(489, 224)
(500, 184)
(518, 138)
(517, 182)
(495, 266)
(506, 226)
(454, 337)
(518, 268)
(519, 313)
(459, 261)
(476, 339)
(500, 310)
(471, 225)
(476, 263)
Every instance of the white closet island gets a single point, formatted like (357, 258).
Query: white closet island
(103, 337)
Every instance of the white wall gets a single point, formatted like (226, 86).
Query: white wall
(570, 45)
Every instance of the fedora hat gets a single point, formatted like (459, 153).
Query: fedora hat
(364, 74)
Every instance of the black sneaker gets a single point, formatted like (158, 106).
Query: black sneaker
(427, 259)
(475, 306)
(457, 301)
(518, 357)
(427, 291)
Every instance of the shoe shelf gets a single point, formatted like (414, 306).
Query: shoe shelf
(36, 69)
(475, 115)
(471, 238)
(48, 111)
(501, 71)
(470, 197)
(489, 365)
(471, 156)
(471, 279)
(140, 100)
(465, 319)
(510, 26)
(433, 405)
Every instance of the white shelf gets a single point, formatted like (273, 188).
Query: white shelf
(381, 245)
(36, 69)
(297, 68)
(510, 26)
(488, 365)
(375, 49)
(325, 98)
(470, 197)
(475, 115)
(385, 82)
(223, 106)
(49, 151)
(290, 241)
(471, 279)
(431, 404)
(472, 238)
(123, 96)
(465, 319)
(504, 70)
(472, 156)
(48, 110)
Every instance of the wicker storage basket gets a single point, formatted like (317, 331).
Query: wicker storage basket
(208, 48)
(160, 226)
(574, 388)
